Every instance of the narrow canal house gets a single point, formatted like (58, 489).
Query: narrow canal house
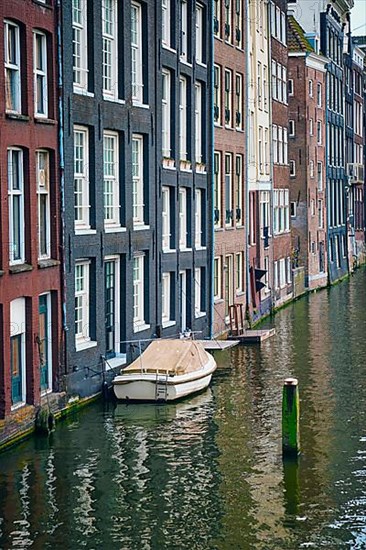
(282, 261)
(259, 172)
(354, 144)
(229, 195)
(30, 295)
(306, 99)
(137, 165)
(329, 20)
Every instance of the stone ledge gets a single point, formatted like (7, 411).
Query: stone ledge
(42, 264)
(18, 116)
(20, 268)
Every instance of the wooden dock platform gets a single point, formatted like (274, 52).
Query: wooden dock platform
(254, 336)
(217, 345)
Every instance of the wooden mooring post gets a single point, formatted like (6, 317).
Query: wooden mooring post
(290, 418)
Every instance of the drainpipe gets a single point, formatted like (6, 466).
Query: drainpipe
(62, 173)
(212, 228)
(247, 139)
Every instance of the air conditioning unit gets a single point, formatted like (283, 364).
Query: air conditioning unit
(356, 173)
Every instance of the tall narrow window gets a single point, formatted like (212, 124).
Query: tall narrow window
(228, 190)
(217, 94)
(182, 218)
(79, 41)
(82, 291)
(239, 102)
(199, 34)
(198, 218)
(45, 341)
(239, 189)
(198, 123)
(217, 17)
(184, 31)
(165, 115)
(183, 118)
(239, 272)
(40, 74)
(217, 189)
(81, 177)
(320, 176)
(109, 64)
(16, 206)
(238, 24)
(137, 179)
(17, 351)
(166, 233)
(43, 193)
(165, 298)
(198, 292)
(166, 22)
(228, 32)
(138, 293)
(111, 305)
(111, 179)
(136, 53)
(217, 279)
(12, 67)
(228, 88)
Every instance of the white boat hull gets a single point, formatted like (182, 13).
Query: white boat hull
(143, 387)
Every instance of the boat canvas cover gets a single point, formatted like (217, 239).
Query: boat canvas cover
(173, 357)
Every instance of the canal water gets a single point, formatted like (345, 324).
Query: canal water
(207, 473)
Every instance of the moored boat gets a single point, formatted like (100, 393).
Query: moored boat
(166, 371)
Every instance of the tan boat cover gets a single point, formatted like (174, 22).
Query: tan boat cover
(173, 357)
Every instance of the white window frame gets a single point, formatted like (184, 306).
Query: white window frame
(80, 45)
(198, 122)
(138, 206)
(18, 328)
(81, 179)
(217, 188)
(138, 292)
(199, 34)
(136, 53)
(166, 23)
(217, 94)
(43, 200)
(239, 101)
(228, 98)
(40, 74)
(166, 113)
(319, 94)
(239, 279)
(239, 217)
(182, 204)
(319, 129)
(198, 218)
(290, 86)
(198, 311)
(310, 88)
(182, 118)
(217, 286)
(292, 165)
(13, 103)
(320, 180)
(165, 211)
(117, 300)
(165, 299)
(111, 179)
(110, 49)
(184, 32)
(229, 215)
(82, 302)
(291, 128)
(16, 206)
(275, 143)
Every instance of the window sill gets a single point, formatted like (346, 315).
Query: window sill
(18, 406)
(20, 268)
(185, 61)
(141, 227)
(168, 48)
(44, 120)
(200, 314)
(167, 324)
(168, 164)
(218, 300)
(116, 229)
(185, 166)
(82, 91)
(80, 346)
(136, 103)
(185, 249)
(169, 250)
(239, 293)
(200, 247)
(114, 99)
(140, 327)
(17, 116)
(81, 231)
(48, 262)
(42, 4)
(201, 64)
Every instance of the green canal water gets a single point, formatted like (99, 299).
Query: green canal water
(207, 473)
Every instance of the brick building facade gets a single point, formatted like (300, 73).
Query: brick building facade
(30, 253)
(230, 84)
(307, 96)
